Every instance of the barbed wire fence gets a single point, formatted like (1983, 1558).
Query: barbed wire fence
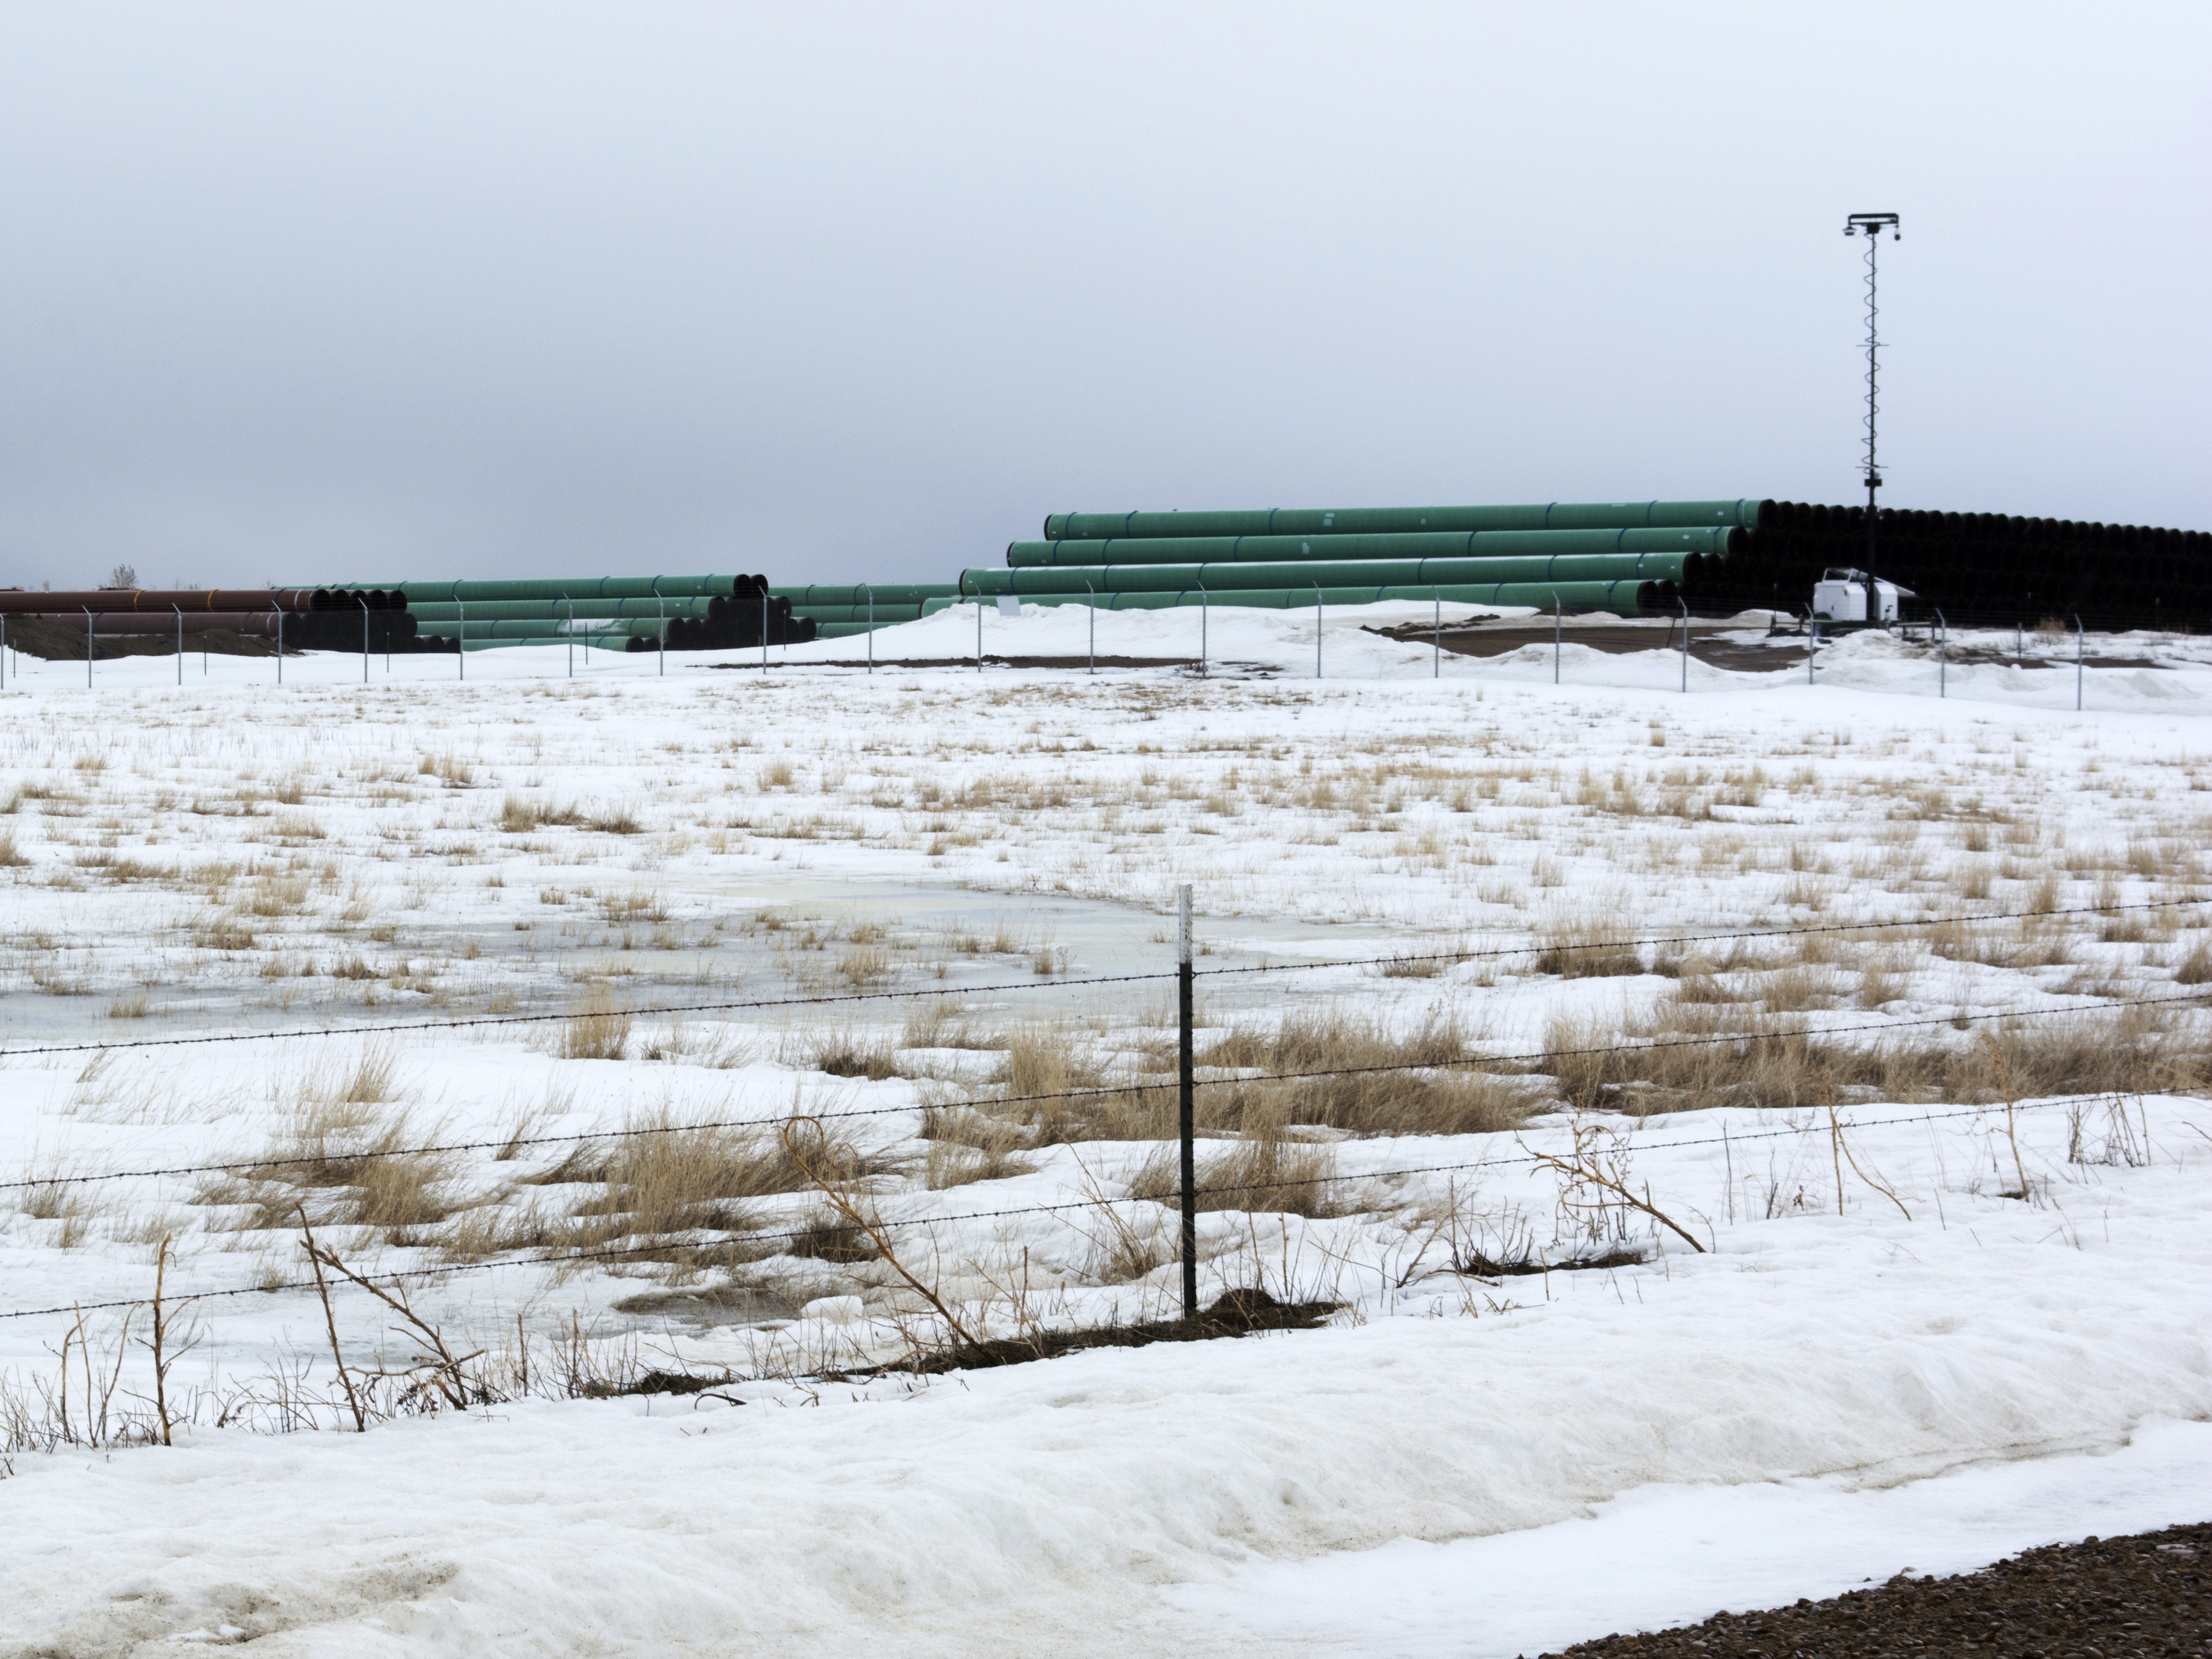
(1062, 982)
(1185, 1087)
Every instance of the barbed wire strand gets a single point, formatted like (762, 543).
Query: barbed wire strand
(1534, 1058)
(1055, 983)
(662, 1246)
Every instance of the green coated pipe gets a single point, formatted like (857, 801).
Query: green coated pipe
(596, 642)
(845, 630)
(1427, 544)
(1324, 573)
(1615, 596)
(557, 609)
(1744, 513)
(857, 593)
(537, 627)
(905, 610)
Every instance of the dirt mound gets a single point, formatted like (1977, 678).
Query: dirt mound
(2111, 1596)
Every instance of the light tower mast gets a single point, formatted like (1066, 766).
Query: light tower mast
(1871, 226)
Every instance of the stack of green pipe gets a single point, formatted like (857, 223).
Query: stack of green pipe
(1531, 546)
(1228, 579)
(841, 630)
(839, 610)
(882, 615)
(1618, 597)
(528, 628)
(1744, 513)
(558, 611)
(1582, 554)
(803, 600)
(592, 642)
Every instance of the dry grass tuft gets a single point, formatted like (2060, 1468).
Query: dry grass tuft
(348, 1165)
(966, 1146)
(633, 908)
(865, 966)
(659, 1190)
(852, 1053)
(222, 930)
(52, 1196)
(1262, 1174)
(1733, 1054)
(1045, 1061)
(1413, 967)
(938, 1023)
(828, 1236)
(369, 1080)
(1374, 1082)
(1586, 947)
(600, 1031)
(1417, 1082)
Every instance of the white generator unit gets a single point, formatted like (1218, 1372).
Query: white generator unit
(1853, 596)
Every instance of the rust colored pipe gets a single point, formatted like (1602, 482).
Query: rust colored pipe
(123, 601)
(260, 624)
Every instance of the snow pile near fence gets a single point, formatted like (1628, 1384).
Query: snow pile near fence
(1077, 1504)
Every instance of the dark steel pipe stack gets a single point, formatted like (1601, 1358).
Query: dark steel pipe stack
(1990, 566)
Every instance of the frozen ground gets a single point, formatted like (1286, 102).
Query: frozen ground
(1455, 1465)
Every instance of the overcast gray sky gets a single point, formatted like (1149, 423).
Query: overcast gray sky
(314, 292)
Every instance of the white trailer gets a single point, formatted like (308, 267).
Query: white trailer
(1853, 596)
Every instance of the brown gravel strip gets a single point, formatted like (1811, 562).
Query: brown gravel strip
(2103, 1598)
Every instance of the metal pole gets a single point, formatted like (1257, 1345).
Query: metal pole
(1871, 225)
(1091, 605)
(979, 632)
(872, 627)
(1436, 668)
(2077, 663)
(1686, 644)
(1555, 637)
(364, 638)
(462, 655)
(3, 654)
(1187, 1116)
(1316, 631)
(663, 606)
(279, 610)
(180, 644)
(1873, 477)
(572, 638)
(763, 627)
(88, 642)
(1942, 652)
(1204, 611)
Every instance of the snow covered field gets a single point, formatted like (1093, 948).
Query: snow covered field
(1875, 1359)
